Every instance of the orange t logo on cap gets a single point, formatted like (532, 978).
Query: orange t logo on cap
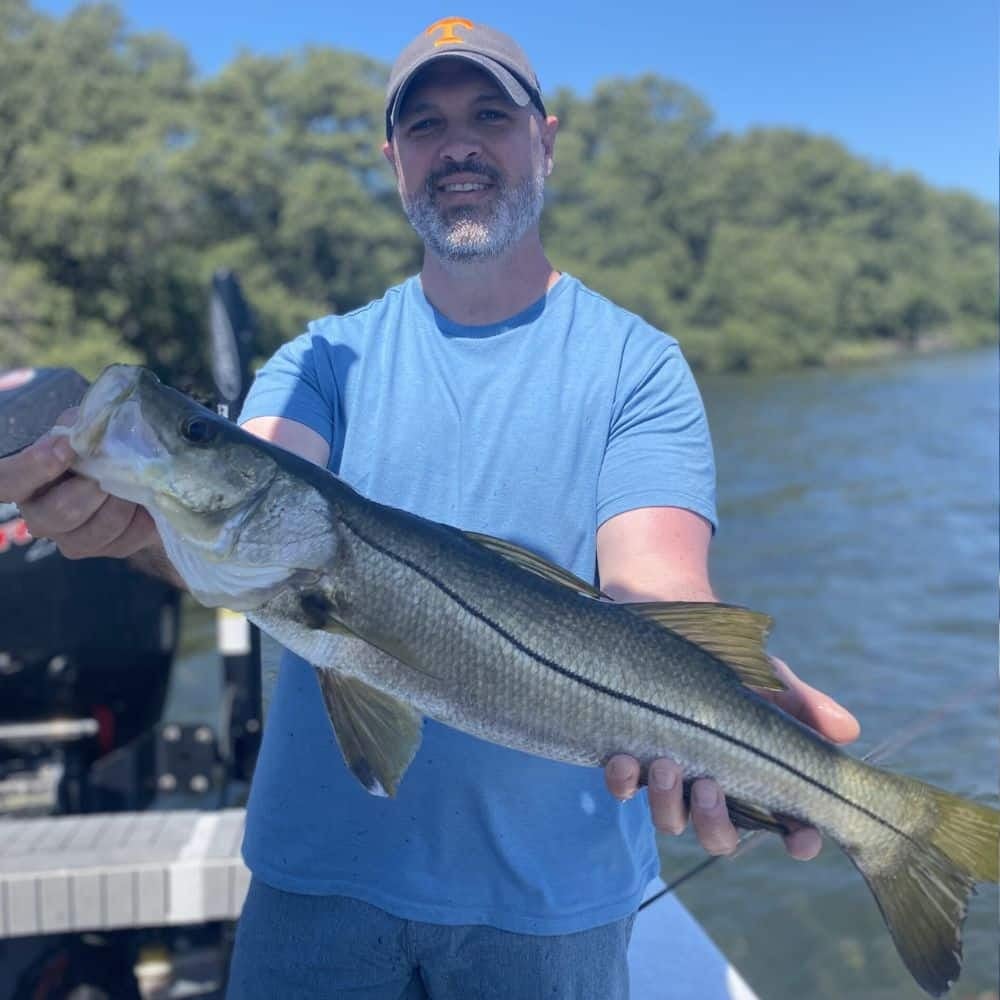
(448, 26)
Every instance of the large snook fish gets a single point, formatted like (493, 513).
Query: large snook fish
(403, 618)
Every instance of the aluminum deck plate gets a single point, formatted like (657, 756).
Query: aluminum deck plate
(116, 870)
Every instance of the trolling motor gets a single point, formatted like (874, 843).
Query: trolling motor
(232, 337)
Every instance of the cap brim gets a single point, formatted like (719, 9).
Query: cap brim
(511, 85)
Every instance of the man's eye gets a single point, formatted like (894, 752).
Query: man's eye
(421, 125)
(492, 115)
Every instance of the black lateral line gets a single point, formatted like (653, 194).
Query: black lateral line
(621, 695)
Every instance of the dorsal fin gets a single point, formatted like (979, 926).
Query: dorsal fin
(733, 634)
(535, 563)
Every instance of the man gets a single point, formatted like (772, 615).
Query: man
(494, 393)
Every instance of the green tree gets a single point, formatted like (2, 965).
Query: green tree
(282, 168)
(86, 195)
(627, 166)
(125, 182)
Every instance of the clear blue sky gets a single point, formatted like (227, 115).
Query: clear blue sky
(908, 84)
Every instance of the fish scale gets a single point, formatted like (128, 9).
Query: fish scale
(579, 667)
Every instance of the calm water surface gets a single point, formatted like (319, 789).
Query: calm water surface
(858, 508)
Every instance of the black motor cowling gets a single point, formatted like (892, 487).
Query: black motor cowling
(93, 637)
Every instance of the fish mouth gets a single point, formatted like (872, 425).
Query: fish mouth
(101, 405)
(118, 446)
(127, 431)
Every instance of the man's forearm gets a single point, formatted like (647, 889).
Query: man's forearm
(664, 590)
(153, 561)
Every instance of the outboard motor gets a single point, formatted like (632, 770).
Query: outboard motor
(86, 646)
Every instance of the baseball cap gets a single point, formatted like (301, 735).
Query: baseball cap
(458, 37)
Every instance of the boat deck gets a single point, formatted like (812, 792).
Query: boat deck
(116, 870)
(158, 869)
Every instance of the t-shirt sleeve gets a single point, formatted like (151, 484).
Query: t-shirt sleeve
(297, 383)
(659, 450)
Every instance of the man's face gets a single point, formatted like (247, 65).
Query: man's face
(470, 165)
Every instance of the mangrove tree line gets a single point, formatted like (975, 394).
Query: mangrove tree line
(126, 179)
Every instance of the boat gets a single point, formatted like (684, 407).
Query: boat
(120, 830)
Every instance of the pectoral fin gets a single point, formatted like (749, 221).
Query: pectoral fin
(733, 634)
(377, 734)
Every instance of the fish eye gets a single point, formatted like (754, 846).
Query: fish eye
(198, 430)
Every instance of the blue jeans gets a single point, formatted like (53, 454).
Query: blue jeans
(298, 947)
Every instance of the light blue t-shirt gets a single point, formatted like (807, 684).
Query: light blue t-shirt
(537, 430)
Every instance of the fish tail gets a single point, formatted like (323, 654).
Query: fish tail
(923, 883)
(968, 834)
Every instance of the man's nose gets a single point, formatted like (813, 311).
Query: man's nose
(460, 147)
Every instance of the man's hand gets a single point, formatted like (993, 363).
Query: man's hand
(72, 510)
(708, 805)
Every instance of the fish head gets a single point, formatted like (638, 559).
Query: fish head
(148, 443)
(201, 478)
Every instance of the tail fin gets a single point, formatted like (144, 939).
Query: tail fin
(968, 834)
(924, 893)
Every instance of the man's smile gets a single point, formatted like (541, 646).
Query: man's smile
(467, 185)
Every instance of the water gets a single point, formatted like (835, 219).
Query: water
(858, 508)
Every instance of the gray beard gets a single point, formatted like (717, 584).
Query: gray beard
(472, 232)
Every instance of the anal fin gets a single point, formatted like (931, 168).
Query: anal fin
(747, 816)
